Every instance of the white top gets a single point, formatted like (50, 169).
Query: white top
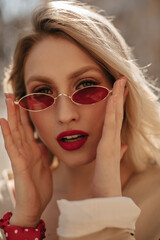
(79, 218)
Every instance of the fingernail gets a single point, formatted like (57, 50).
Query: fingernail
(8, 95)
(123, 77)
(123, 81)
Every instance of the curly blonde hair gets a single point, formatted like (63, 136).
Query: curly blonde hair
(98, 36)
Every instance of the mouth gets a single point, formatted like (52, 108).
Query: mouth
(72, 140)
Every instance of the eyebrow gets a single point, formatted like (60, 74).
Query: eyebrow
(73, 75)
(84, 70)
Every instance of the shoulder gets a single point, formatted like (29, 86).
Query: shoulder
(142, 184)
(144, 189)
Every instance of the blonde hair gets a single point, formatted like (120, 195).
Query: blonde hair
(97, 35)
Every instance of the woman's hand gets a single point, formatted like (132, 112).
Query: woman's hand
(107, 180)
(33, 180)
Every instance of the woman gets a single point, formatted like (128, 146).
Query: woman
(91, 107)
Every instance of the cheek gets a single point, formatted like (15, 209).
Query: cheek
(91, 119)
(42, 125)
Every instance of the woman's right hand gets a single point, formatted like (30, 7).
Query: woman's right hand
(107, 181)
(29, 160)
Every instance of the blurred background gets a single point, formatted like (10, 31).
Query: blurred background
(137, 20)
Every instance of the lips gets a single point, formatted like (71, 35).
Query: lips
(72, 140)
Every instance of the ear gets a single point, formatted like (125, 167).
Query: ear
(10, 95)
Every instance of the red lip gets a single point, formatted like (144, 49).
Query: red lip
(70, 146)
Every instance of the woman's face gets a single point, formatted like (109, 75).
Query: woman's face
(57, 65)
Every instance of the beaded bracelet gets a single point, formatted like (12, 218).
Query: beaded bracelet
(20, 233)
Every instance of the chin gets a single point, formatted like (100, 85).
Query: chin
(76, 159)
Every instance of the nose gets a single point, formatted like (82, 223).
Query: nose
(66, 110)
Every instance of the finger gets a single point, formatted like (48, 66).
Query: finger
(10, 96)
(26, 124)
(108, 133)
(110, 114)
(19, 123)
(125, 94)
(8, 141)
(119, 92)
(13, 122)
(126, 91)
(123, 150)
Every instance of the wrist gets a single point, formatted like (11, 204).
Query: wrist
(19, 220)
(109, 188)
(101, 193)
(13, 232)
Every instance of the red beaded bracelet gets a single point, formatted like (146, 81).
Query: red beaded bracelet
(22, 233)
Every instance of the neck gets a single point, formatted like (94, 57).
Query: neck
(75, 183)
(126, 173)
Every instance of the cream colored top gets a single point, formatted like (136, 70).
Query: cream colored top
(136, 215)
(95, 215)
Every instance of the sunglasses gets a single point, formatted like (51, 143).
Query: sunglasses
(36, 102)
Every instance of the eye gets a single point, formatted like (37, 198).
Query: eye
(43, 90)
(86, 83)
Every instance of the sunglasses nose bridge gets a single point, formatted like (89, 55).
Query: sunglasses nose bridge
(62, 94)
(70, 97)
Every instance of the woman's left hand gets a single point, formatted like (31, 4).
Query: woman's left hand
(107, 179)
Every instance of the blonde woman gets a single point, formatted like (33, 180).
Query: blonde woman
(76, 86)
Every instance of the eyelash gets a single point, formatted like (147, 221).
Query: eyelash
(43, 90)
(82, 84)
(86, 83)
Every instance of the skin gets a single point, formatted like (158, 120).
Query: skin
(103, 175)
(47, 62)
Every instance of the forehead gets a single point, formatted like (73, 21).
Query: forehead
(58, 52)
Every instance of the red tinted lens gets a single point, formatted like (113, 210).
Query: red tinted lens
(36, 102)
(90, 95)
